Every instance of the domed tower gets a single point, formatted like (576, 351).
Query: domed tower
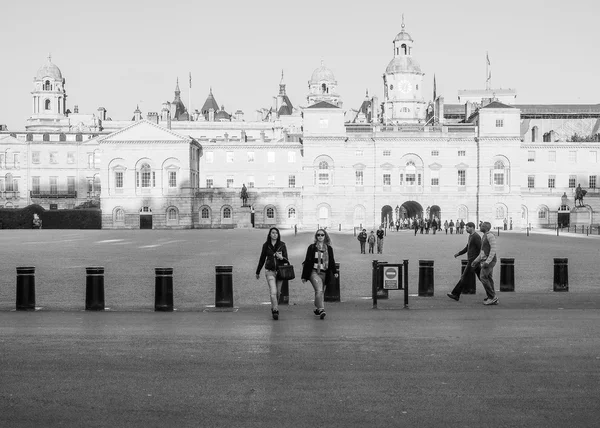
(322, 87)
(403, 84)
(49, 99)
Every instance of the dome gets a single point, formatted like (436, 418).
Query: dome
(403, 35)
(49, 70)
(403, 64)
(322, 73)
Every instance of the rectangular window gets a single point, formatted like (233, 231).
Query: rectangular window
(592, 182)
(271, 157)
(387, 153)
(499, 123)
(462, 153)
(435, 178)
(387, 179)
(323, 123)
(172, 179)
(411, 179)
(153, 179)
(551, 182)
(271, 180)
(35, 157)
(401, 179)
(531, 181)
(71, 157)
(552, 156)
(146, 176)
(499, 178)
(359, 178)
(229, 157)
(572, 179)
(292, 157)
(572, 156)
(53, 185)
(35, 184)
(250, 156)
(462, 177)
(119, 179)
(531, 156)
(209, 182)
(71, 185)
(229, 181)
(292, 181)
(53, 157)
(358, 153)
(435, 153)
(593, 156)
(210, 157)
(250, 180)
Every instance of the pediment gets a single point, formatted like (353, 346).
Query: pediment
(145, 131)
(461, 165)
(435, 166)
(9, 139)
(387, 165)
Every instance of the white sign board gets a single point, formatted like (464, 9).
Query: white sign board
(391, 278)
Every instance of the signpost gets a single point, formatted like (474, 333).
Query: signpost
(388, 276)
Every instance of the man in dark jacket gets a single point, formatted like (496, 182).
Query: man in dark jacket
(472, 249)
(362, 238)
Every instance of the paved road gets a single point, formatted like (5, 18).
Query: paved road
(532, 361)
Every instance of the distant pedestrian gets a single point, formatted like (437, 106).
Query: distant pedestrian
(461, 225)
(473, 249)
(446, 226)
(318, 268)
(295, 229)
(451, 226)
(434, 225)
(415, 226)
(427, 226)
(380, 236)
(505, 224)
(421, 226)
(362, 238)
(371, 240)
(273, 252)
(487, 259)
(397, 225)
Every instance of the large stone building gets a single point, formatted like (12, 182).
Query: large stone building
(485, 158)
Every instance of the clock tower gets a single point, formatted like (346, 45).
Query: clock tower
(403, 84)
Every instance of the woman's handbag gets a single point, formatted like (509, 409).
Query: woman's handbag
(285, 271)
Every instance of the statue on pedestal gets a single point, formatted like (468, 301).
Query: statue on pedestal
(244, 195)
(579, 194)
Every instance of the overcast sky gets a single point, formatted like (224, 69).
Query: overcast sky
(117, 54)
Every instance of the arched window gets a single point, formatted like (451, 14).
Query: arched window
(270, 213)
(46, 137)
(499, 173)
(499, 212)
(172, 214)
(403, 47)
(292, 213)
(47, 86)
(8, 183)
(120, 215)
(323, 88)
(542, 213)
(205, 213)
(411, 173)
(226, 212)
(323, 173)
(145, 174)
(47, 104)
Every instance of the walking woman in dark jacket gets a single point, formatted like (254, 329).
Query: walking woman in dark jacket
(273, 252)
(319, 268)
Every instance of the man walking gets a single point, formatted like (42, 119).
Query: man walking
(487, 258)
(380, 241)
(362, 238)
(473, 249)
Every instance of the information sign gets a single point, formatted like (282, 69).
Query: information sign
(391, 278)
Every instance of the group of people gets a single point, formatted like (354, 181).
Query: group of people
(318, 267)
(371, 239)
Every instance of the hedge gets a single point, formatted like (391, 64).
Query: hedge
(22, 218)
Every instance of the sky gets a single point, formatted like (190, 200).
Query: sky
(120, 54)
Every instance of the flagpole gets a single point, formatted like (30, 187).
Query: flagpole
(190, 116)
(487, 65)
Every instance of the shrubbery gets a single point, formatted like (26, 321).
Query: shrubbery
(22, 218)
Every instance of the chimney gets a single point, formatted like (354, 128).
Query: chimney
(374, 110)
(439, 110)
(152, 117)
(468, 110)
(211, 114)
(75, 109)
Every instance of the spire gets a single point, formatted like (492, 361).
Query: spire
(434, 88)
(281, 86)
(49, 57)
(403, 22)
(177, 90)
(367, 93)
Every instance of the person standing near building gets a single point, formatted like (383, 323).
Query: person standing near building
(380, 235)
(451, 226)
(461, 226)
(473, 249)
(362, 238)
(434, 225)
(446, 226)
(273, 251)
(487, 259)
(319, 268)
(371, 239)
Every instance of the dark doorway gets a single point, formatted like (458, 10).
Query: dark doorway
(413, 209)
(146, 221)
(564, 219)
(387, 215)
(435, 212)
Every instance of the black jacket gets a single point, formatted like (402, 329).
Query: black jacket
(473, 247)
(307, 265)
(268, 255)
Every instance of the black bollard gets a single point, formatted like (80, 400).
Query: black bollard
(284, 296)
(224, 287)
(163, 289)
(380, 292)
(507, 274)
(25, 289)
(332, 290)
(470, 286)
(561, 274)
(94, 289)
(425, 278)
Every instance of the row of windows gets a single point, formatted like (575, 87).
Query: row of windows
(227, 213)
(592, 156)
(250, 181)
(250, 157)
(387, 153)
(6, 159)
(552, 181)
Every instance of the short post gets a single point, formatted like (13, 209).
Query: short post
(470, 286)
(425, 278)
(561, 274)
(25, 288)
(94, 288)
(163, 290)
(332, 290)
(405, 267)
(340, 227)
(284, 296)
(498, 230)
(507, 274)
(224, 287)
(374, 283)
(588, 230)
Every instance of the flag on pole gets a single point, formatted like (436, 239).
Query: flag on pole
(190, 80)
(434, 89)
(487, 57)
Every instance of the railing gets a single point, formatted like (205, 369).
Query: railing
(52, 194)
(9, 194)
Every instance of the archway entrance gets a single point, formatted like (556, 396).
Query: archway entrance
(413, 209)
(145, 218)
(387, 215)
(435, 212)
